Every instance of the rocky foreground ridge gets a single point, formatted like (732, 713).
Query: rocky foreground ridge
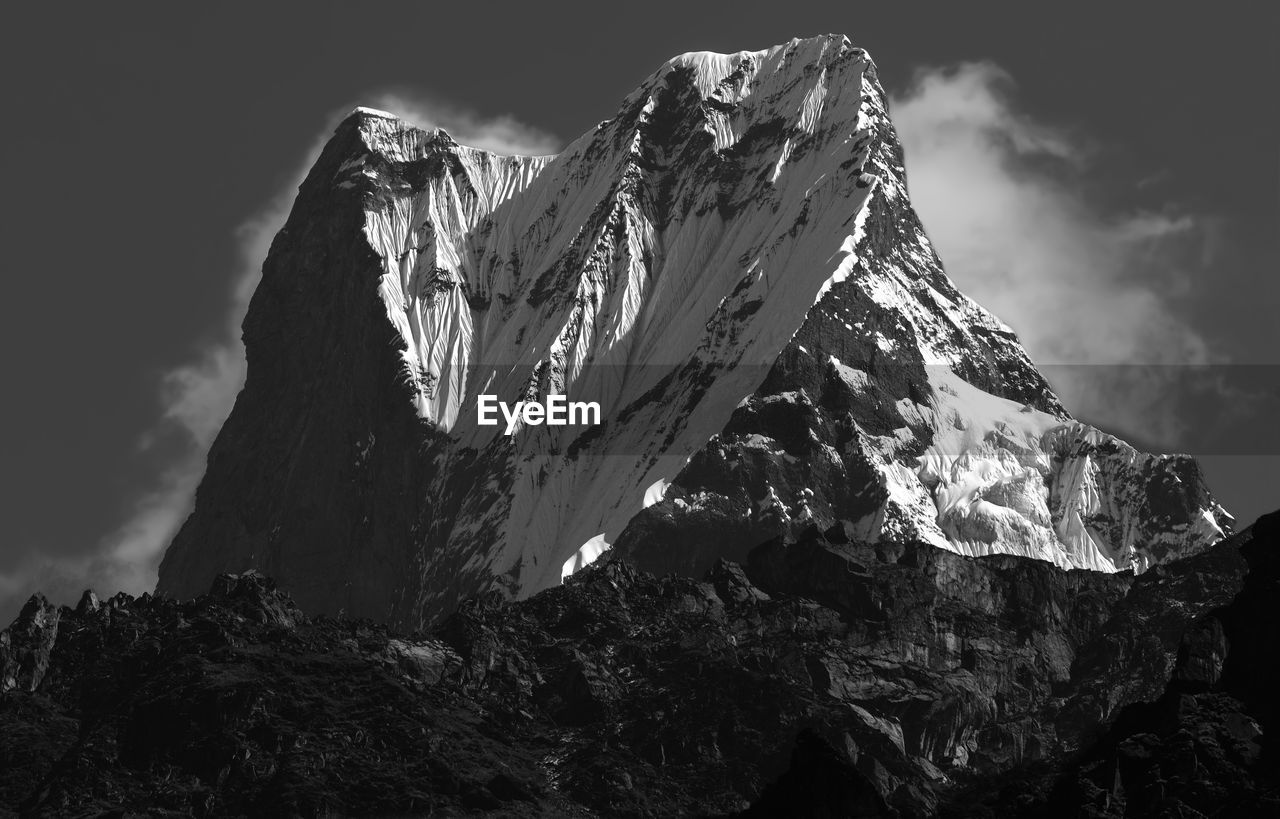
(821, 678)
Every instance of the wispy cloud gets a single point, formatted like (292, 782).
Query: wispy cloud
(195, 399)
(197, 396)
(1017, 212)
(502, 134)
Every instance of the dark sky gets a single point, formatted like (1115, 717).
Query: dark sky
(138, 136)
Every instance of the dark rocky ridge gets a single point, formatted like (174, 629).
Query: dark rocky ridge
(1206, 746)
(823, 678)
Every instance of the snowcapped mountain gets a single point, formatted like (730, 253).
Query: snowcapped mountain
(731, 270)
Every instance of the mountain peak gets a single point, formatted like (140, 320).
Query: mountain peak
(805, 54)
(730, 270)
(364, 111)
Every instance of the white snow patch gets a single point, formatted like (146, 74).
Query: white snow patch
(585, 556)
(655, 492)
(373, 112)
(1007, 478)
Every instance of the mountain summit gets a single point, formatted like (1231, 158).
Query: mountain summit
(731, 270)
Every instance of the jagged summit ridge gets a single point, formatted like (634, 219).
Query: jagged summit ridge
(730, 267)
(494, 228)
(612, 271)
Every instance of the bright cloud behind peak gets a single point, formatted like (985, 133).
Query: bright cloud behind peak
(1004, 199)
(196, 398)
(1018, 212)
(973, 102)
(502, 134)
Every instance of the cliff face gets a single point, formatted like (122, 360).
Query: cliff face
(891, 680)
(294, 486)
(1204, 745)
(730, 267)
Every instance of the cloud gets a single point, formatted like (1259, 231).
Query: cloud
(1016, 209)
(125, 561)
(196, 397)
(501, 134)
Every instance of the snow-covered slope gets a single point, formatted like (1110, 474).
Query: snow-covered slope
(1003, 477)
(613, 274)
(731, 269)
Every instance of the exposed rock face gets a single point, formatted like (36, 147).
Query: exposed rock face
(25, 645)
(855, 679)
(731, 269)
(1205, 746)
